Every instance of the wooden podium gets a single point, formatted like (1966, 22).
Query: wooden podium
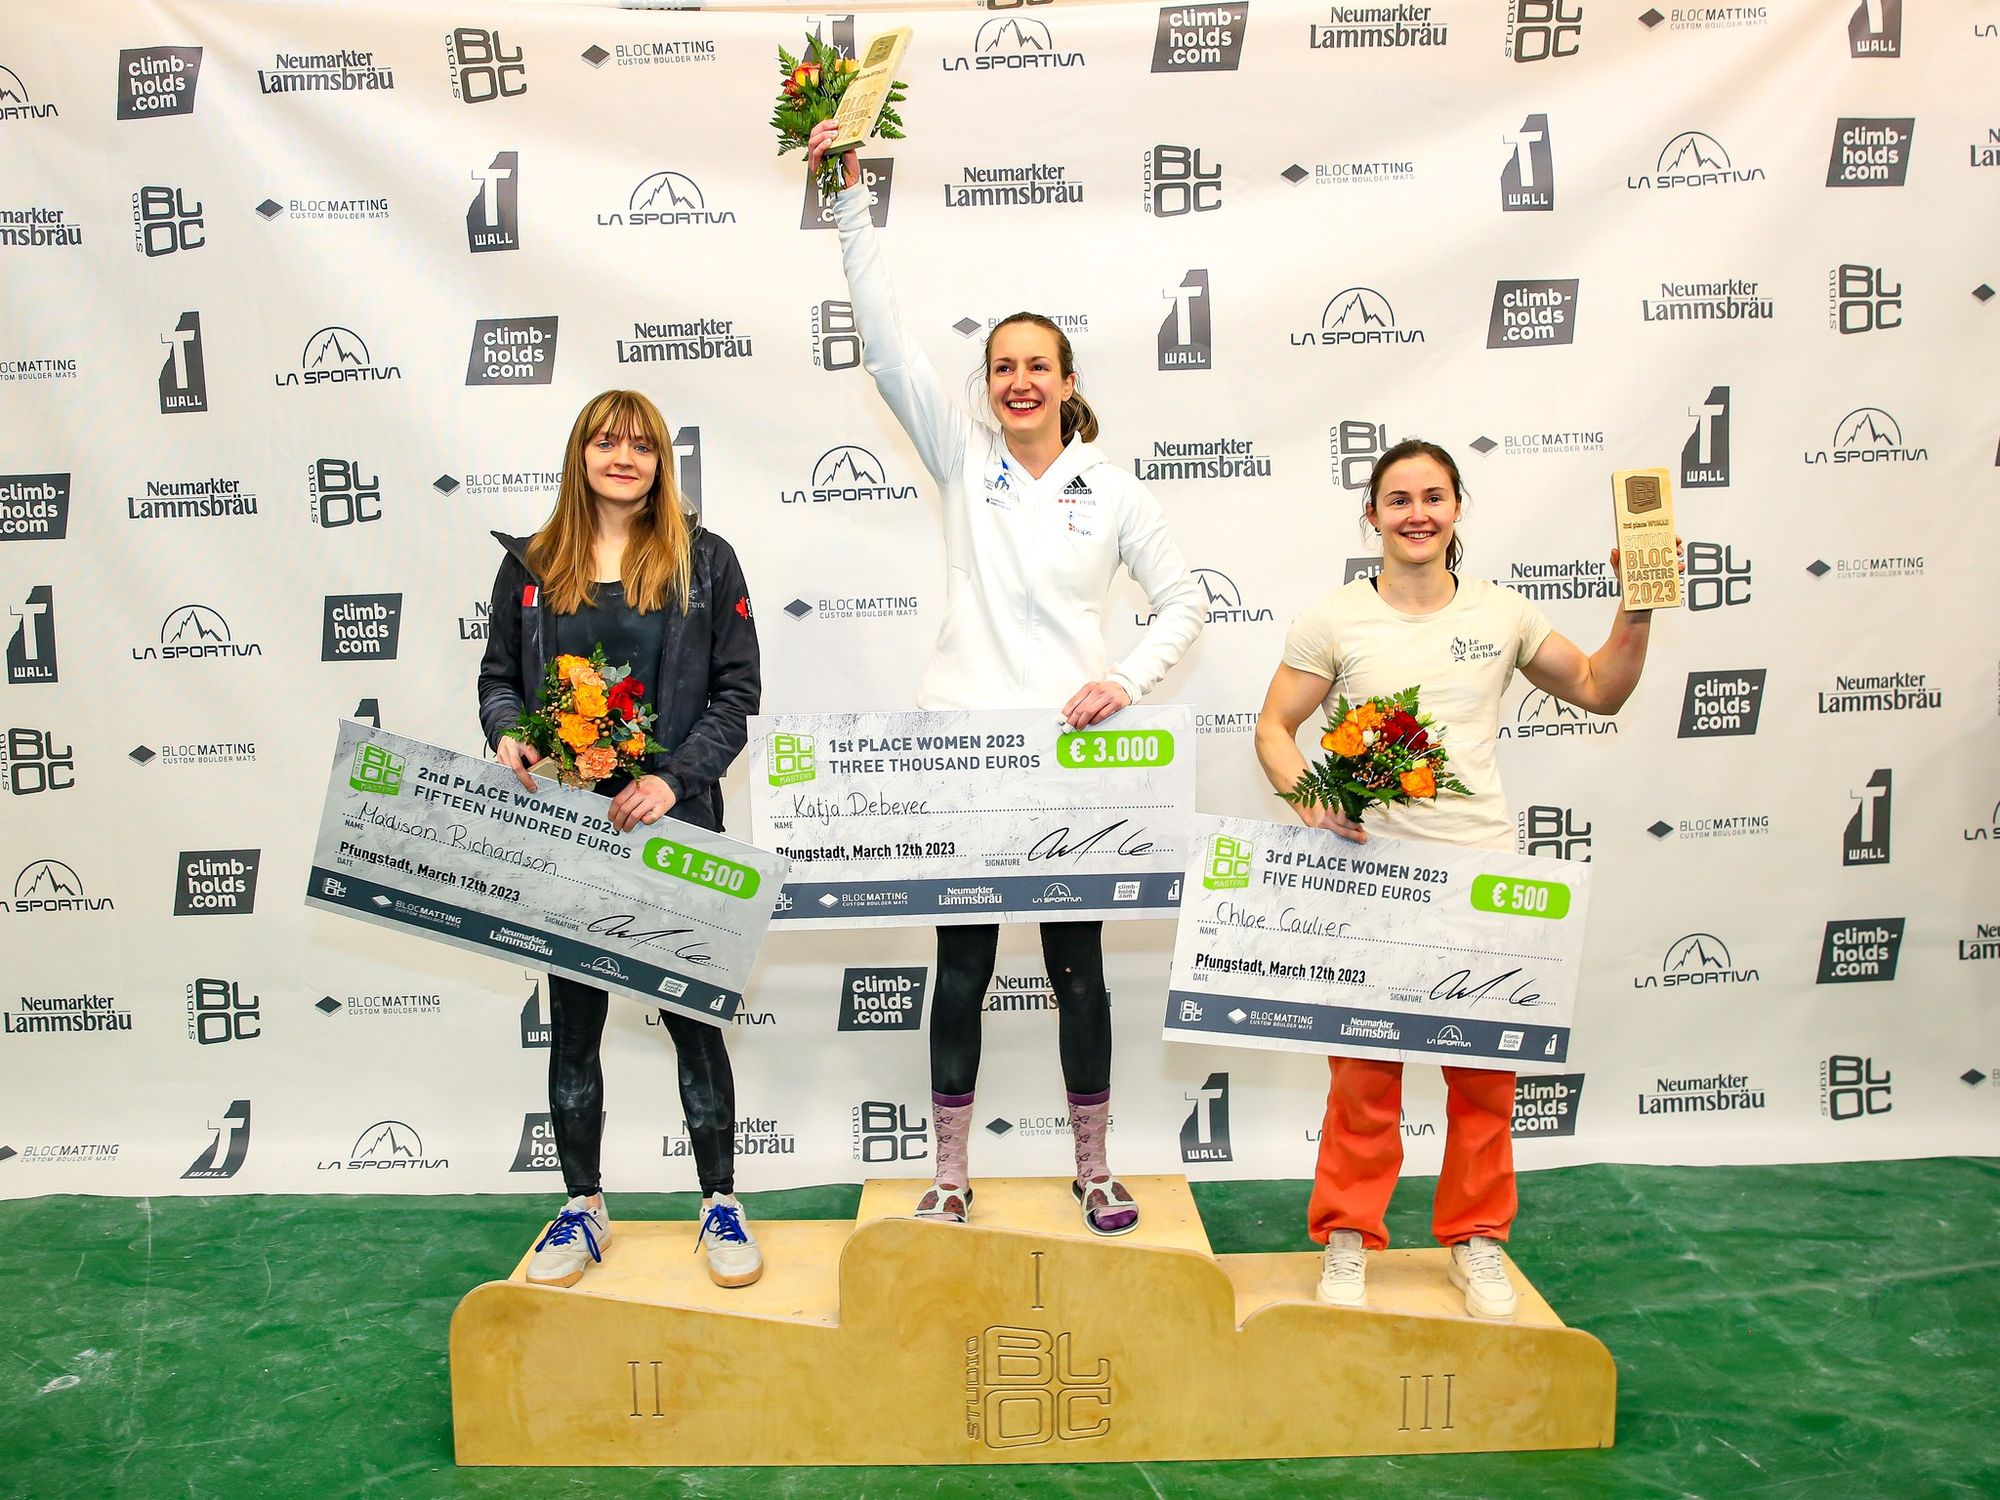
(1016, 1338)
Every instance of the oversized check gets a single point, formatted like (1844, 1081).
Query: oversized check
(960, 815)
(1290, 937)
(450, 847)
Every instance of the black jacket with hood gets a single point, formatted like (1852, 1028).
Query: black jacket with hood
(705, 686)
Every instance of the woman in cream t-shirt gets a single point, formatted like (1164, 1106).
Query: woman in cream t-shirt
(1460, 640)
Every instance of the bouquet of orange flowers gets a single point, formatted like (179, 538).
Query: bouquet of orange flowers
(1380, 750)
(813, 84)
(591, 722)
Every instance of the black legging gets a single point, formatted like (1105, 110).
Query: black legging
(1074, 954)
(576, 1089)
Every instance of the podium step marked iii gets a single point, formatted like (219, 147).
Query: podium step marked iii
(1016, 1338)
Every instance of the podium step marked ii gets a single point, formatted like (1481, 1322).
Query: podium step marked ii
(1016, 1338)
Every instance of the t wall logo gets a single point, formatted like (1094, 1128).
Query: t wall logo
(1852, 1088)
(537, 1026)
(157, 81)
(342, 493)
(217, 883)
(1876, 29)
(887, 1131)
(1719, 704)
(1697, 958)
(184, 375)
(335, 356)
(361, 627)
(1868, 435)
(882, 999)
(1715, 576)
(483, 67)
(34, 507)
(165, 223)
(1205, 1132)
(1859, 299)
(836, 337)
(1532, 312)
(31, 649)
(194, 632)
(848, 473)
(1553, 831)
(224, 1159)
(493, 217)
(1705, 454)
(15, 103)
(49, 886)
(1860, 950)
(1528, 181)
(218, 1011)
(667, 200)
(1186, 340)
(387, 1146)
(512, 351)
(878, 174)
(1870, 153)
(1540, 30)
(1200, 38)
(1357, 315)
(1176, 182)
(537, 1151)
(1546, 1105)
(1693, 159)
(1011, 43)
(1866, 841)
(33, 762)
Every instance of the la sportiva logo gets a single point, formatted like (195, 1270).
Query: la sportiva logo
(1011, 44)
(224, 1158)
(666, 200)
(1693, 159)
(48, 886)
(1222, 600)
(1868, 435)
(1200, 38)
(1870, 153)
(483, 67)
(1541, 30)
(335, 356)
(184, 375)
(512, 351)
(1866, 840)
(1860, 950)
(387, 1146)
(31, 649)
(1186, 340)
(1229, 862)
(1357, 315)
(15, 102)
(165, 223)
(157, 81)
(493, 217)
(1205, 1132)
(1698, 958)
(1177, 182)
(1545, 716)
(1853, 1088)
(34, 762)
(886, 1131)
(194, 632)
(851, 473)
(1532, 313)
(794, 757)
(1528, 180)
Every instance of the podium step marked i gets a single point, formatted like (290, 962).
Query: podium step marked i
(1016, 1338)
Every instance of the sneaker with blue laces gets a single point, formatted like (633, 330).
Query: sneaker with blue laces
(733, 1256)
(570, 1244)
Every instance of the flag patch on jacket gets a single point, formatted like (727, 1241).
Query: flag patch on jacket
(530, 596)
(743, 608)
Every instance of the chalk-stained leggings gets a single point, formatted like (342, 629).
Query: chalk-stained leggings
(576, 1089)
(1074, 954)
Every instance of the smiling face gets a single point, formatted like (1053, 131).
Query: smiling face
(1025, 382)
(619, 467)
(1416, 505)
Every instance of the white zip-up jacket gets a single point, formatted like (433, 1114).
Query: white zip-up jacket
(1027, 561)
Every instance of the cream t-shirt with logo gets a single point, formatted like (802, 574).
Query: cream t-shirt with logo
(1461, 658)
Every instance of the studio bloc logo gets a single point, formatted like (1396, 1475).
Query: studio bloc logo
(165, 223)
(218, 1011)
(483, 67)
(361, 627)
(1870, 152)
(157, 81)
(217, 883)
(1201, 38)
(1860, 950)
(34, 507)
(1528, 313)
(1851, 1087)
(1540, 30)
(512, 351)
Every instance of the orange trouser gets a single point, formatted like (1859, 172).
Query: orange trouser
(1361, 1151)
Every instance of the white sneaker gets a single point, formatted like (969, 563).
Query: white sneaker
(576, 1238)
(1343, 1281)
(1480, 1271)
(733, 1256)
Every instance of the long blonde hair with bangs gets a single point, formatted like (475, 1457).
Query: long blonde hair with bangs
(658, 553)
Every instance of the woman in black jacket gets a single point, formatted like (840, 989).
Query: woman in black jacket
(619, 563)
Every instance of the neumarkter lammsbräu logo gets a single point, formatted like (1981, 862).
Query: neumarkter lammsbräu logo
(361, 627)
(157, 81)
(512, 351)
(217, 883)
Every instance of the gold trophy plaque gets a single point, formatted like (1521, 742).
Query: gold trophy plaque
(1642, 507)
(862, 103)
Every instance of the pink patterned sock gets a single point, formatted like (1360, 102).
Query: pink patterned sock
(1089, 1119)
(953, 1116)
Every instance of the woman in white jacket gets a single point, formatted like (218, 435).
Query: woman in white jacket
(1036, 523)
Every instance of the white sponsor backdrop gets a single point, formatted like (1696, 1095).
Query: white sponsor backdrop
(1322, 277)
